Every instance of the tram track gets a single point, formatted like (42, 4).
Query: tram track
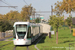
(5, 45)
(14, 48)
(25, 46)
(32, 44)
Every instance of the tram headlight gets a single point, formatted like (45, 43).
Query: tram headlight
(24, 39)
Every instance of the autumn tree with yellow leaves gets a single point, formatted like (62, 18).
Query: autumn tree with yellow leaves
(14, 16)
(67, 6)
(26, 12)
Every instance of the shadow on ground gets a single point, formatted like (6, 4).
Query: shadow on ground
(41, 41)
(66, 41)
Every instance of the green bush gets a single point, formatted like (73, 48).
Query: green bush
(5, 25)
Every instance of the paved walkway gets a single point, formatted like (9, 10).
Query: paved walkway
(5, 38)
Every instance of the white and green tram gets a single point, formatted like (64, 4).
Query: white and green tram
(24, 33)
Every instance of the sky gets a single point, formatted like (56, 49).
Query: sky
(39, 5)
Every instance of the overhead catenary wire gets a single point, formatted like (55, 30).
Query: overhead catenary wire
(25, 2)
(8, 5)
(5, 2)
(43, 11)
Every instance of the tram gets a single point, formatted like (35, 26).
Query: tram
(24, 33)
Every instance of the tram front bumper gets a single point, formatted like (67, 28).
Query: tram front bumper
(22, 42)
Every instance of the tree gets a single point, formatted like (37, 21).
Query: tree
(69, 22)
(57, 9)
(1, 17)
(66, 5)
(13, 16)
(56, 22)
(37, 20)
(51, 22)
(5, 25)
(26, 12)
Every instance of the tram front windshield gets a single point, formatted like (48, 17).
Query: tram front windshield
(21, 30)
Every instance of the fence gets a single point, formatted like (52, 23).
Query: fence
(6, 34)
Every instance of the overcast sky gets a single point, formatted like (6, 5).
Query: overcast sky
(39, 5)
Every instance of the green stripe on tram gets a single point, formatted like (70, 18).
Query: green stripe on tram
(29, 38)
(13, 38)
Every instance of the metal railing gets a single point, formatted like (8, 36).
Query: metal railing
(3, 34)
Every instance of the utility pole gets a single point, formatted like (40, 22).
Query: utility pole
(51, 10)
(33, 15)
(30, 12)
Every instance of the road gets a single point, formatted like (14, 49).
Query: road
(5, 38)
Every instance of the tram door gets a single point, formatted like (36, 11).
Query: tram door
(39, 31)
(14, 35)
(29, 33)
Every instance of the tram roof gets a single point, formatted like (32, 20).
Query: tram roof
(32, 24)
(27, 23)
(20, 23)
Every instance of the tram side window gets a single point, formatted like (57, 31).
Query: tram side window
(14, 36)
(29, 33)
